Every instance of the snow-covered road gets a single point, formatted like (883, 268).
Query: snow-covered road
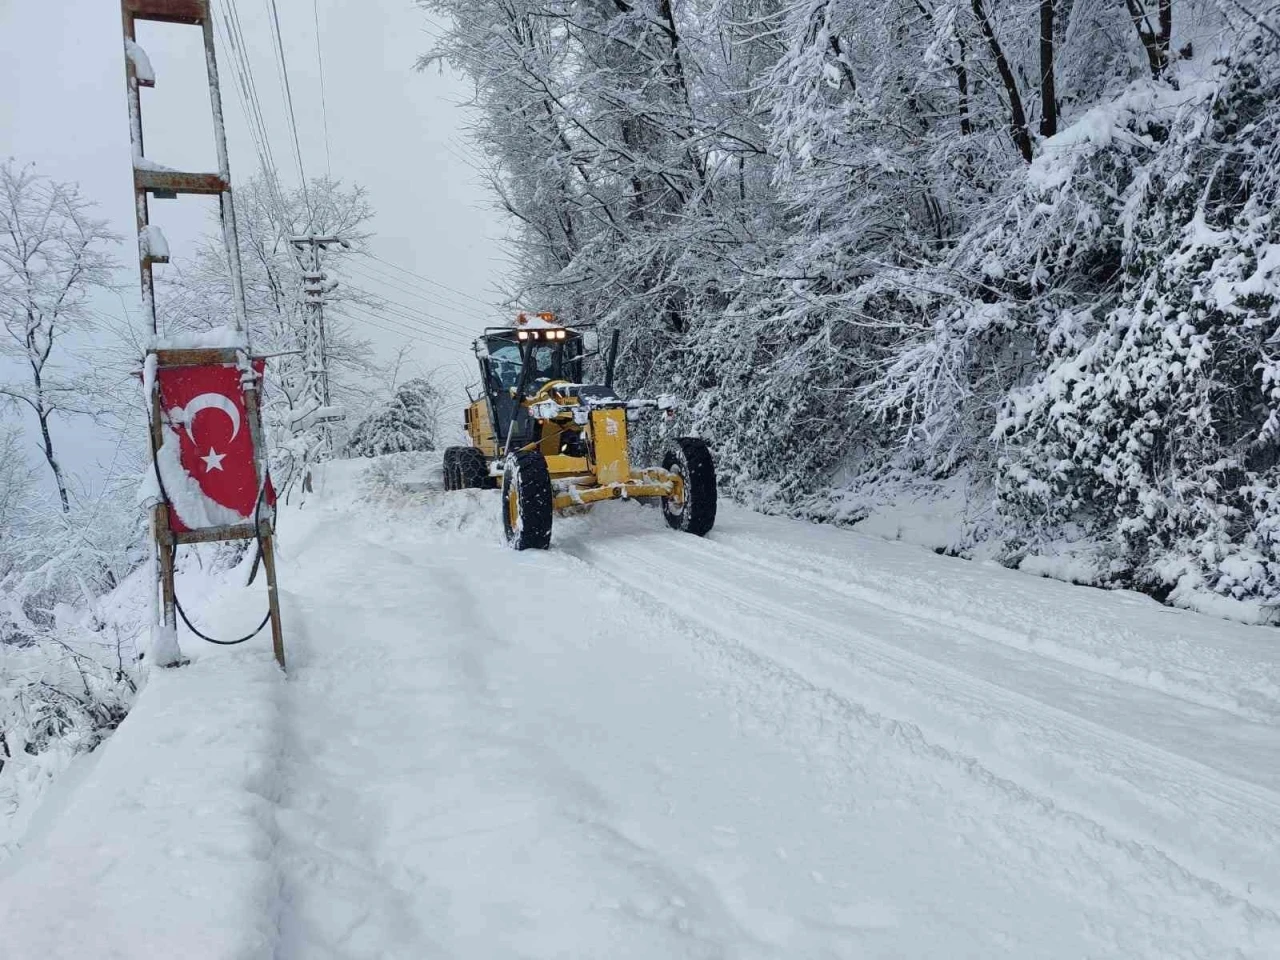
(785, 741)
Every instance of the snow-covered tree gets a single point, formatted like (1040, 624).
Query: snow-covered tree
(404, 423)
(196, 295)
(52, 256)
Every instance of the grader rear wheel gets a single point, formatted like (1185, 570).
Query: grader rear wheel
(472, 469)
(449, 468)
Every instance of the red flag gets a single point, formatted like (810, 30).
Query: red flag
(203, 409)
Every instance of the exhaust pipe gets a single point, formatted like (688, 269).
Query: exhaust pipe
(611, 360)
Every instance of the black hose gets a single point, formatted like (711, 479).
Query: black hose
(208, 639)
(257, 529)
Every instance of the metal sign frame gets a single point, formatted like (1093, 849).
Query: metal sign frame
(152, 181)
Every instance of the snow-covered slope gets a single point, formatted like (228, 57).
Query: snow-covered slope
(784, 741)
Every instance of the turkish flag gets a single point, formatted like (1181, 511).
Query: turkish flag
(211, 482)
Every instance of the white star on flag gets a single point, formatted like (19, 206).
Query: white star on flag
(213, 461)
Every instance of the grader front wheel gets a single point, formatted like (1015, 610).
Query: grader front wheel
(527, 501)
(695, 511)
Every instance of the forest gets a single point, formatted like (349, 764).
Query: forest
(1017, 256)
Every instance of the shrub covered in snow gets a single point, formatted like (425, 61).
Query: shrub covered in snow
(1153, 423)
(403, 424)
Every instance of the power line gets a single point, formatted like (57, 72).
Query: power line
(415, 292)
(288, 95)
(410, 320)
(434, 283)
(247, 91)
(324, 106)
(423, 316)
(398, 327)
(418, 290)
(368, 321)
(415, 321)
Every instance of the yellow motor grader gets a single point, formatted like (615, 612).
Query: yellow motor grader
(554, 443)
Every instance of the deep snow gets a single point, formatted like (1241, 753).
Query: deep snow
(783, 741)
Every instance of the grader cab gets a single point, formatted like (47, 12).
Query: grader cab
(553, 443)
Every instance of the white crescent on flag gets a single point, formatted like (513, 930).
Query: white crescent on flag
(206, 401)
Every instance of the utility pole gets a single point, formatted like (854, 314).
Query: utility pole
(316, 286)
(166, 362)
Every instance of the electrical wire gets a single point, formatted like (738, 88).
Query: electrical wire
(421, 289)
(413, 312)
(288, 96)
(247, 92)
(324, 106)
(234, 29)
(434, 283)
(411, 324)
(408, 333)
(365, 274)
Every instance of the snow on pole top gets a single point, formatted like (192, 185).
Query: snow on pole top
(152, 243)
(217, 338)
(142, 68)
(150, 166)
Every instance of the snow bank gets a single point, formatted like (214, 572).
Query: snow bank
(796, 742)
(62, 691)
(952, 517)
(165, 848)
(160, 844)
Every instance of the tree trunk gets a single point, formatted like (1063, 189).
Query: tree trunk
(962, 86)
(1156, 40)
(961, 67)
(1048, 82)
(42, 415)
(47, 442)
(1017, 114)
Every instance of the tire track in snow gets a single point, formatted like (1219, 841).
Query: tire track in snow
(885, 766)
(336, 901)
(1217, 753)
(688, 598)
(749, 548)
(369, 864)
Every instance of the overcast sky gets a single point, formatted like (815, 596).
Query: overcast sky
(393, 129)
